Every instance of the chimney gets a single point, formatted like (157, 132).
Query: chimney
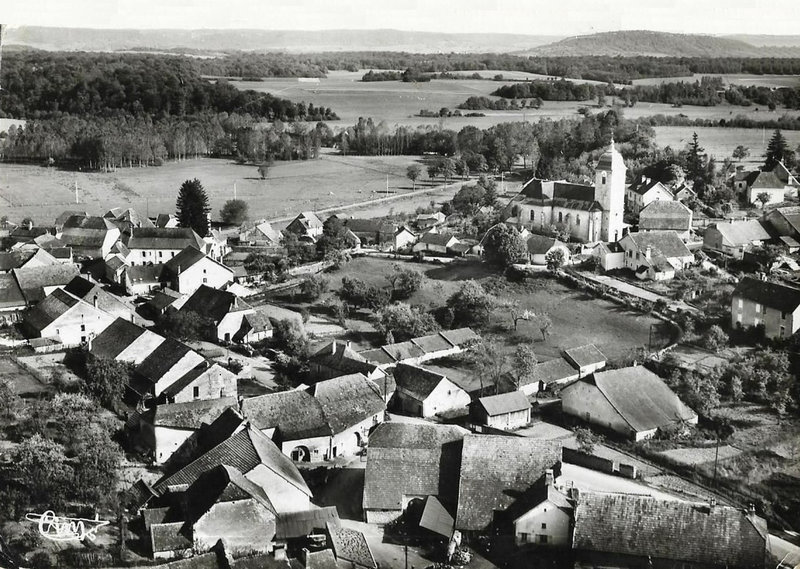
(333, 347)
(348, 344)
(304, 557)
(179, 269)
(711, 503)
(751, 509)
(647, 253)
(94, 301)
(549, 478)
(30, 224)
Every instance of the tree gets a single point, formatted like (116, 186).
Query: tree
(234, 212)
(740, 153)
(471, 304)
(97, 463)
(358, 293)
(290, 337)
(184, 324)
(405, 282)
(523, 364)
(313, 287)
(106, 379)
(333, 236)
(448, 168)
(503, 246)
(413, 173)
(519, 313)
(263, 170)
(192, 207)
(544, 324)
(404, 322)
(43, 465)
(715, 339)
(586, 439)
(554, 259)
(490, 363)
(763, 197)
(469, 199)
(776, 150)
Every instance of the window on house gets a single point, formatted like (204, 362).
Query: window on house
(83, 327)
(578, 220)
(741, 304)
(783, 331)
(560, 217)
(524, 537)
(533, 215)
(603, 178)
(160, 254)
(205, 280)
(544, 525)
(542, 539)
(758, 308)
(195, 392)
(783, 315)
(204, 271)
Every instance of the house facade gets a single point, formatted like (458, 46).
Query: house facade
(425, 393)
(506, 411)
(191, 268)
(734, 238)
(664, 215)
(655, 255)
(644, 192)
(774, 306)
(66, 317)
(540, 246)
(153, 245)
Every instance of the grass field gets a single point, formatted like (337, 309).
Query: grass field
(720, 142)
(577, 318)
(22, 381)
(290, 187)
(730, 79)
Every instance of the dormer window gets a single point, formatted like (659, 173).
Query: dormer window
(603, 178)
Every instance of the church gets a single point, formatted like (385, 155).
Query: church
(589, 213)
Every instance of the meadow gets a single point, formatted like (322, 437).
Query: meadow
(720, 142)
(730, 79)
(290, 187)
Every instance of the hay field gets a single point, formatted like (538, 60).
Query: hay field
(720, 142)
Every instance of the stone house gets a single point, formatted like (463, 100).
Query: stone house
(507, 411)
(774, 306)
(191, 268)
(424, 393)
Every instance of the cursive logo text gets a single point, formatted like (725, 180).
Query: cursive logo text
(58, 528)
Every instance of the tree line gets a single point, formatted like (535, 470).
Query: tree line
(123, 140)
(44, 84)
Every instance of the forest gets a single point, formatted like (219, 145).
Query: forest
(43, 84)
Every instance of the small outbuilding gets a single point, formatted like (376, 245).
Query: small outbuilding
(505, 411)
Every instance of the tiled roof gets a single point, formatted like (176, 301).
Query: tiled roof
(503, 403)
(742, 232)
(259, 561)
(65, 215)
(212, 431)
(163, 299)
(50, 309)
(493, 469)
(417, 381)
(10, 293)
(369, 226)
(188, 257)
(112, 341)
(16, 259)
(176, 238)
(244, 451)
(224, 483)
(539, 244)
(144, 274)
(351, 546)
(93, 293)
(666, 243)
(298, 524)
(377, 356)
(204, 368)
(33, 281)
(412, 459)
(162, 359)
(460, 336)
(431, 238)
(536, 190)
(665, 215)
(672, 530)
(766, 180)
(95, 223)
(296, 414)
(585, 355)
(775, 295)
(348, 400)
(432, 343)
(169, 537)
(640, 397)
(214, 303)
(191, 415)
(551, 371)
(205, 561)
(645, 185)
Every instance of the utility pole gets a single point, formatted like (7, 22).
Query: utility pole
(234, 191)
(76, 191)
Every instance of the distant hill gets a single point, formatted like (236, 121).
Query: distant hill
(210, 41)
(767, 41)
(659, 44)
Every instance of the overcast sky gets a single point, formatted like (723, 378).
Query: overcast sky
(536, 17)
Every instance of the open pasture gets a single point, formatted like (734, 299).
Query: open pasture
(720, 142)
(290, 187)
(729, 79)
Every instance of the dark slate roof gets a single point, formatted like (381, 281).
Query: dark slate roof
(403, 351)
(32, 281)
(561, 190)
(10, 293)
(244, 451)
(351, 546)
(187, 258)
(641, 398)
(766, 180)
(144, 274)
(431, 238)
(254, 322)
(417, 381)
(259, 561)
(669, 529)
(539, 244)
(775, 295)
(65, 215)
(348, 400)
(585, 355)
(460, 336)
(115, 338)
(503, 403)
(50, 309)
(666, 243)
(191, 415)
(90, 292)
(88, 222)
(298, 524)
(557, 369)
(224, 483)
(203, 368)
(432, 343)
(169, 537)
(790, 214)
(644, 185)
(341, 357)
(369, 226)
(742, 232)
(163, 238)
(162, 299)
(495, 469)
(15, 259)
(378, 356)
(161, 360)
(212, 431)
(214, 303)
(296, 414)
(413, 459)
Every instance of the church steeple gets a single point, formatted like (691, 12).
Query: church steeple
(610, 192)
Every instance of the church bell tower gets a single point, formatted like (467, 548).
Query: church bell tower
(609, 192)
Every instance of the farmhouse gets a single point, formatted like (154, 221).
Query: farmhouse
(89, 236)
(100, 298)
(67, 318)
(429, 220)
(206, 380)
(168, 220)
(260, 234)
(306, 226)
(542, 516)
(611, 256)
(630, 530)
(191, 268)
(784, 221)
(774, 183)
(494, 470)
(548, 373)
(371, 231)
(125, 219)
(733, 238)
(165, 365)
(338, 358)
(684, 193)
(231, 318)
(633, 402)
(164, 429)
(407, 462)
(125, 341)
(404, 238)
(540, 246)
(506, 411)
(588, 212)
(425, 393)
(159, 244)
(141, 279)
(11, 297)
(435, 243)
(774, 306)
(38, 282)
(25, 259)
(667, 216)
(644, 192)
(655, 255)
